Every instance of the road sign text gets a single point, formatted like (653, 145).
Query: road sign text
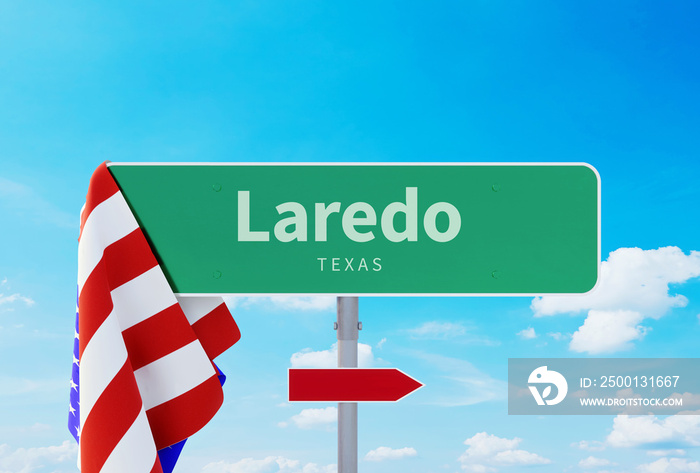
(357, 221)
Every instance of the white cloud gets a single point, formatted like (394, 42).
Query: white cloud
(627, 393)
(270, 464)
(635, 431)
(9, 300)
(14, 298)
(381, 343)
(591, 446)
(670, 465)
(634, 285)
(26, 460)
(558, 336)
(487, 452)
(386, 453)
(527, 334)
(459, 383)
(608, 331)
(314, 419)
(39, 427)
(676, 452)
(593, 462)
(13, 386)
(689, 399)
(311, 303)
(631, 279)
(285, 303)
(25, 202)
(308, 358)
(435, 330)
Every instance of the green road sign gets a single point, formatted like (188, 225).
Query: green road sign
(369, 229)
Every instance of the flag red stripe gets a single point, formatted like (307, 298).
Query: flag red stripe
(94, 300)
(117, 407)
(128, 258)
(217, 331)
(156, 466)
(102, 187)
(173, 332)
(188, 412)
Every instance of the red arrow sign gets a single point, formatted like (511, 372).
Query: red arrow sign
(350, 384)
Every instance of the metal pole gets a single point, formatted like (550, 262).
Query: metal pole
(347, 326)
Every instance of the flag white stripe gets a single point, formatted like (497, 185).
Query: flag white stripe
(142, 297)
(102, 359)
(133, 453)
(157, 383)
(196, 308)
(109, 222)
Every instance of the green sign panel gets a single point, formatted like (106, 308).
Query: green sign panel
(369, 229)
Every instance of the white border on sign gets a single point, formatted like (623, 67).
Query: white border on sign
(415, 294)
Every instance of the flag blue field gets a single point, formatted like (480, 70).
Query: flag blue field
(612, 84)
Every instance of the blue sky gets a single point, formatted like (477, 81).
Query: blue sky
(614, 85)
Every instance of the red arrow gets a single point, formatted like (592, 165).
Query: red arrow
(350, 384)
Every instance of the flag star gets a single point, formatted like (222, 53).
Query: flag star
(73, 385)
(76, 335)
(71, 408)
(77, 430)
(75, 360)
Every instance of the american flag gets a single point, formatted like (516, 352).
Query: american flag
(143, 378)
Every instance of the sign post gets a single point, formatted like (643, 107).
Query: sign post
(348, 384)
(348, 333)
